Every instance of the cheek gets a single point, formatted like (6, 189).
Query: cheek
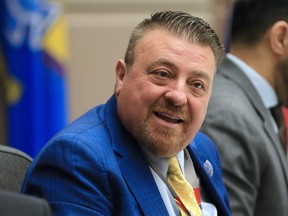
(131, 104)
(198, 109)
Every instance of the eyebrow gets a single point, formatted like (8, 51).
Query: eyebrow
(163, 62)
(202, 74)
(169, 64)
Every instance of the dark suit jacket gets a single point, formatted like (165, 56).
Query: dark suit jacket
(254, 165)
(95, 167)
(14, 204)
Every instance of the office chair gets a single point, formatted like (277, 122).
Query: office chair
(14, 165)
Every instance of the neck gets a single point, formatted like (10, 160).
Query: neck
(257, 57)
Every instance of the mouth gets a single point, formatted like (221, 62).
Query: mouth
(168, 118)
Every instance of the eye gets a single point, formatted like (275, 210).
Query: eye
(160, 77)
(162, 73)
(198, 85)
(198, 88)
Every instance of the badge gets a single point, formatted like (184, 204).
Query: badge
(208, 168)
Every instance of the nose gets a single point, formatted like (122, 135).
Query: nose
(177, 96)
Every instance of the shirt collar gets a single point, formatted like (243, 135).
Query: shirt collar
(264, 89)
(161, 164)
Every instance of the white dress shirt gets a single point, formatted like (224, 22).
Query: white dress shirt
(186, 164)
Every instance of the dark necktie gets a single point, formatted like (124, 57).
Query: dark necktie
(278, 115)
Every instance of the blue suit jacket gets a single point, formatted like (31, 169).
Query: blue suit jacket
(95, 167)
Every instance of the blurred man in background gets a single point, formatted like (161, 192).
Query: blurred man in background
(244, 113)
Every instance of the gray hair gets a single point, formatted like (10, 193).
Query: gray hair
(179, 24)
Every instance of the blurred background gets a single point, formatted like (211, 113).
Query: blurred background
(57, 58)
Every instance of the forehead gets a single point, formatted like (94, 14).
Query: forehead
(160, 44)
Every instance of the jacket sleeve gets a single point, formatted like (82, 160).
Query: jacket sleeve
(69, 176)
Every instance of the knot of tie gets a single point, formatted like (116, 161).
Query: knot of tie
(174, 168)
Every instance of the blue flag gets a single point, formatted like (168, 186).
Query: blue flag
(33, 46)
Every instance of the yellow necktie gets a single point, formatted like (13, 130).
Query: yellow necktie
(182, 188)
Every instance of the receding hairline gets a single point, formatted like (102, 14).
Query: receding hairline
(180, 25)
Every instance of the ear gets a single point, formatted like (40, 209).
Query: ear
(120, 75)
(279, 37)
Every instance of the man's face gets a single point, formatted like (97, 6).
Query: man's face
(163, 98)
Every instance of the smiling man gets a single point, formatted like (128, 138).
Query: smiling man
(120, 157)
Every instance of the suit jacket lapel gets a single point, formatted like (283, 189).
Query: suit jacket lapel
(234, 73)
(133, 165)
(140, 181)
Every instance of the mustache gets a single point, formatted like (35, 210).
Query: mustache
(166, 107)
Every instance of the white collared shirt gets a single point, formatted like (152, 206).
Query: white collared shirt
(187, 166)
